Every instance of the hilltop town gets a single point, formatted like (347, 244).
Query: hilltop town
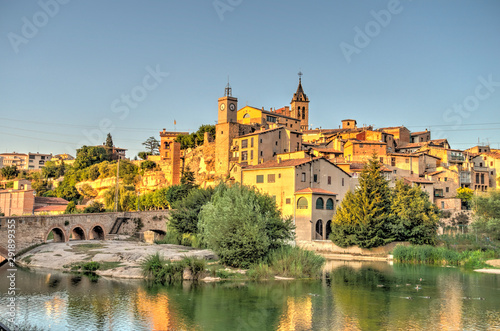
(306, 171)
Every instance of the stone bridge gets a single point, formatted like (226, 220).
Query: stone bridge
(33, 230)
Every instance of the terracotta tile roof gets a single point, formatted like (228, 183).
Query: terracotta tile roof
(418, 133)
(53, 208)
(268, 130)
(413, 145)
(418, 180)
(314, 191)
(50, 201)
(435, 173)
(403, 154)
(327, 150)
(281, 164)
(278, 114)
(492, 154)
(393, 127)
(357, 166)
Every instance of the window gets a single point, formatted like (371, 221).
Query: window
(247, 115)
(393, 161)
(271, 119)
(477, 178)
(394, 171)
(279, 134)
(244, 143)
(320, 203)
(315, 178)
(447, 190)
(442, 204)
(381, 160)
(261, 141)
(319, 227)
(298, 146)
(329, 204)
(302, 203)
(244, 156)
(276, 143)
(445, 179)
(438, 193)
(407, 160)
(491, 164)
(288, 201)
(251, 142)
(360, 145)
(251, 155)
(260, 179)
(329, 180)
(261, 153)
(32, 157)
(303, 177)
(342, 181)
(271, 178)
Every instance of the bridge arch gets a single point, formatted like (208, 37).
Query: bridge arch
(97, 232)
(59, 234)
(151, 235)
(77, 232)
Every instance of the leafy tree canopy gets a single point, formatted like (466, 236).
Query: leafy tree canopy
(9, 172)
(196, 138)
(89, 155)
(242, 225)
(487, 214)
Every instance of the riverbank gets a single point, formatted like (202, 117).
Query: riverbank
(118, 258)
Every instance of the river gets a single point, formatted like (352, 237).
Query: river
(351, 296)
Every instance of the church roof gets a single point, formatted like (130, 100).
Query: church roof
(300, 95)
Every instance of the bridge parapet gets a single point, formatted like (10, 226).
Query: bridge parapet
(34, 229)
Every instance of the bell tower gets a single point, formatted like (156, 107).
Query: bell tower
(226, 130)
(300, 106)
(228, 107)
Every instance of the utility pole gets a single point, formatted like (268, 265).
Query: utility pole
(116, 188)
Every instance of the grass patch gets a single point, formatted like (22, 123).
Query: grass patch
(160, 270)
(288, 261)
(57, 255)
(27, 259)
(442, 256)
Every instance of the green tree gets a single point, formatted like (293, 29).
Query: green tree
(126, 198)
(152, 146)
(363, 218)
(415, 217)
(143, 155)
(88, 192)
(71, 208)
(241, 225)
(148, 165)
(187, 178)
(89, 155)
(487, 214)
(9, 172)
(184, 215)
(196, 138)
(109, 141)
(465, 194)
(94, 207)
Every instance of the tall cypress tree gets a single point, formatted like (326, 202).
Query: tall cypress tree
(363, 217)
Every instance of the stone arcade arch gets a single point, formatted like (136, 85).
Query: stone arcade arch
(77, 233)
(319, 230)
(328, 229)
(97, 232)
(59, 234)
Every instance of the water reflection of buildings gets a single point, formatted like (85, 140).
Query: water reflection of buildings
(297, 314)
(157, 311)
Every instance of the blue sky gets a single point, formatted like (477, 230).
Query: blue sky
(66, 70)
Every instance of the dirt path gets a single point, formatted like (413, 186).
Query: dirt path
(118, 258)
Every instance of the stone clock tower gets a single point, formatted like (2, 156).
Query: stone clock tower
(226, 130)
(300, 106)
(228, 107)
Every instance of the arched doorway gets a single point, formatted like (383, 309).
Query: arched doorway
(97, 233)
(77, 233)
(328, 230)
(56, 235)
(319, 230)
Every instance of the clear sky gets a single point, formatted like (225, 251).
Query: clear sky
(72, 71)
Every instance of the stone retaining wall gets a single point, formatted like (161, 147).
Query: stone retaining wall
(328, 247)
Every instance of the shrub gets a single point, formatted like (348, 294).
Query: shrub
(241, 225)
(159, 270)
(91, 266)
(295, 262)
(148, 165)
(185, 212)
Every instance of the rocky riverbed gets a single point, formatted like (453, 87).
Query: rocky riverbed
(118, 258)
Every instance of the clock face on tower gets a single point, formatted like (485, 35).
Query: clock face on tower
(222, 106)
(232, 107)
